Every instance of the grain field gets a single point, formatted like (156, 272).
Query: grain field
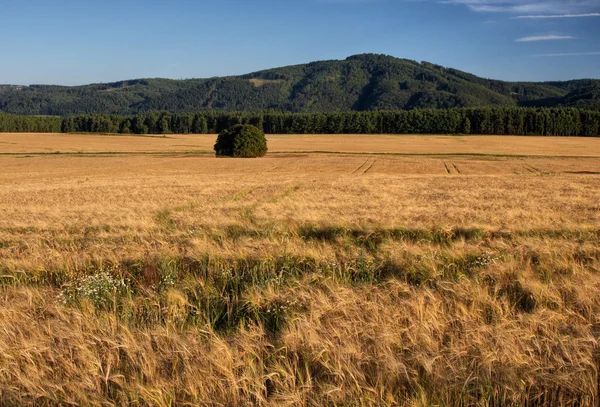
(338, 270)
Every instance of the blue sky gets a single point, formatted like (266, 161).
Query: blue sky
(71, 42)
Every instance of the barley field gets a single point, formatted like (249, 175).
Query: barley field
(336, 271)
(19, 143)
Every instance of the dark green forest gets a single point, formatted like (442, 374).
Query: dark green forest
(498, 121)
(30, 124)
(360, 83)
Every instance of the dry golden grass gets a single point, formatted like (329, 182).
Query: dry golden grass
(351, 143)
(300, 279)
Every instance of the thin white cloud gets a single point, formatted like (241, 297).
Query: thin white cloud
(545, 38)
(526, 7)
(560, 16)
(568, 54)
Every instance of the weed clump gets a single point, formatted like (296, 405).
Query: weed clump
(102, 290)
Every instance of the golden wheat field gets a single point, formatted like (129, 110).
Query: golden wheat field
(336, 271)
(282, 143)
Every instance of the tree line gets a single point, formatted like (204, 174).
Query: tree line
(30, 124)
(497, 121)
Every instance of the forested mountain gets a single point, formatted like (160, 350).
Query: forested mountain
(361, 82)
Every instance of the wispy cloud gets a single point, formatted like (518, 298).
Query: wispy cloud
(523, 9)
(527, 7)
(560, 16)
(545, 38)
(568, 54)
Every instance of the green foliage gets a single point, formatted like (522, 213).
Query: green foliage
(498, 121)
(241, 141)
(30, 124)
(359, 83)
(466, 127)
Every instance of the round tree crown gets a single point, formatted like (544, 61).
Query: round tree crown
(242, 140)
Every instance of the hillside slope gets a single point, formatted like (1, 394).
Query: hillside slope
(361, 82)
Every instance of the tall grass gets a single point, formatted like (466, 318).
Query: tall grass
(448, 322)
(149, 285)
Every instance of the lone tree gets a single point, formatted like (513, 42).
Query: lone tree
(242, 140)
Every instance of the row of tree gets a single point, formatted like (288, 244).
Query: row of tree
(30, 124)
(500, 121)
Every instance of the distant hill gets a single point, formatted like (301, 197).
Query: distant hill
(361, 82)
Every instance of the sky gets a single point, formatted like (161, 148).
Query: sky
(75, 42)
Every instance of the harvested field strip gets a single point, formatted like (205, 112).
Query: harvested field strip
(411, 144)
(208, 153)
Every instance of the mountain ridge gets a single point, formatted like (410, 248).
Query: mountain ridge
(360, 82)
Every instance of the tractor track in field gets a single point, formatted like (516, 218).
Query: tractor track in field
(451, 167)
(447, 169)
(529, 169)
(361, 166)
(370, 166)
(533, 168)
(365, 166)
